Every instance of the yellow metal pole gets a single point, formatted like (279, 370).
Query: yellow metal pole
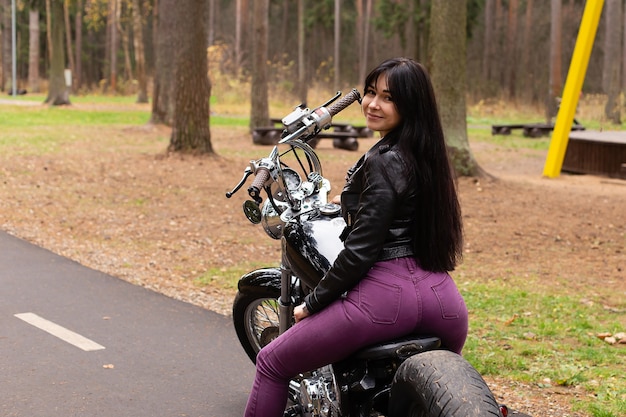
(573, 86)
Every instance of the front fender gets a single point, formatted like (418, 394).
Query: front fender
(266, 280)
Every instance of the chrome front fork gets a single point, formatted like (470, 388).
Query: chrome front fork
(285, 304)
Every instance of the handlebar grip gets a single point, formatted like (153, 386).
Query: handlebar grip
(344, 102)
(259, 181)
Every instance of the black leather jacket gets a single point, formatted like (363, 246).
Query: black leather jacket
(378, 203)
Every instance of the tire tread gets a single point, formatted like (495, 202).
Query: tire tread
(440, 384)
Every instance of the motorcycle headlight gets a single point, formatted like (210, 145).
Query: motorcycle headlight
(270, 219)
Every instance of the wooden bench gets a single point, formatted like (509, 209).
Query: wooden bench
(344, 135)
(530, 130)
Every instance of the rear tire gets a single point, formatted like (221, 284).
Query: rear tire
(255, 316)
(440, 383)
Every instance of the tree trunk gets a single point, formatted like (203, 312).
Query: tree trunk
(527, 78)
(365, 46)
(410, 32)
(124, 32)
(422, 30)
(242, 18)
(612, 60)
(78, 45)
(511, 49)
(556, 79)
(190, 132)
(448, 22)
(33, 51)
(624, 51)
(57, 91)
(488, 41)
(497, 64)
(140, 60)
(68, 35)
(48, 29)
(113, 42)
(259, 111)
(162, 101)
(284, 33)
(337, 44)
(238, 30)
(358, 39)
(211, 23)
(7, 59)
(303, 86)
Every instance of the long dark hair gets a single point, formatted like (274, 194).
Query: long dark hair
(438, 230)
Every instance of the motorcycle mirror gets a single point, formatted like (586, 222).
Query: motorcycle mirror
(252, 211)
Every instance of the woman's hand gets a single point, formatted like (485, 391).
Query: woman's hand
(300, 312)
(336, 199)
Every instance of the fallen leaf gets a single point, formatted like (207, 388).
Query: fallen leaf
(610, 340)
(511, 320)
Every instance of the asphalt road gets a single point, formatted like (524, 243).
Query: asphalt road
(77, 342)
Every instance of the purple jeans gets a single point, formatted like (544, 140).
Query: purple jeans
(394, 299)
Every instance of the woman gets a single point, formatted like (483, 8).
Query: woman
(403, 234)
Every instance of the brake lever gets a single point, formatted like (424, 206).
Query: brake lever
(246, 173)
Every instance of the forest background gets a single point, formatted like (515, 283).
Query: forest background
(516, 55)
(517, 50)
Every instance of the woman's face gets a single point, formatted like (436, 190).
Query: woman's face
(379, 109)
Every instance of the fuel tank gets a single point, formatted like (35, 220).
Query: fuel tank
(311, 244)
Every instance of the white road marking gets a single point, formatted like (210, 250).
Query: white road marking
(60, 332)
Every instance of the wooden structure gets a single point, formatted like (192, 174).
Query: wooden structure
(530, 130)
(596, 153)
(344, 135)
(573, 87)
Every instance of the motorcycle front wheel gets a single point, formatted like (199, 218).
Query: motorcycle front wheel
(256, 320)
(440, 383)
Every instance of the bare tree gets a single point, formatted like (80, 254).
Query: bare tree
(363, 28)
(488, 40)
(526, 79)
(302, 84)
(337, 43)
(33, 48)
(68, 35)
(556, 78)
(190, 131)
(140, 59)
(48, 31)
(259, 105)
(241, 22)
(238, 32)
(57, 92)
(162, 101)
(611, 74)
(113, 42)
(123, 28)
(211, 22)
(448, 72)
(7, 59)
(624, 51)
(511, 48)
(78, 46)
(422, 30)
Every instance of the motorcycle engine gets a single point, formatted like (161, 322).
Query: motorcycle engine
(319, 394)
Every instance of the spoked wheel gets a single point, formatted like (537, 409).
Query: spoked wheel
(256, 321)
(442, 384)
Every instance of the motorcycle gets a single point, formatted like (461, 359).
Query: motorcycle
(410, 376)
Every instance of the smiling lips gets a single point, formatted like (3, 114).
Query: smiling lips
(373, 117)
